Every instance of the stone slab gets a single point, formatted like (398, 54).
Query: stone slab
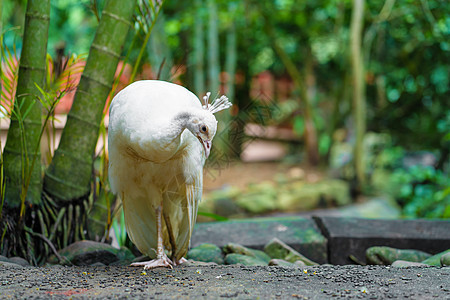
(352, 236)
(302, 234)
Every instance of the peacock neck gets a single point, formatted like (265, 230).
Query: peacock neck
(180, 122)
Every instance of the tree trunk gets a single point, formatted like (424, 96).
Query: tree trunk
(359, 102)
(22, 156)
(70, 172)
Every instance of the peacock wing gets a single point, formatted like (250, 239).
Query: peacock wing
(140, 218)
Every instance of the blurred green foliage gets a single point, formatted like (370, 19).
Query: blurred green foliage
(72, 24)
(406, 50)
(420, 189)
(407, 54)
(423, 191)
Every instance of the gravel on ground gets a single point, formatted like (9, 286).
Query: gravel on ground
(220, 281)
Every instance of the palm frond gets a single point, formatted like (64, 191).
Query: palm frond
(145, 19)
(72, 68)
(8, 77)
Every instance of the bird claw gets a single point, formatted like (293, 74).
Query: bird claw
(155, 263)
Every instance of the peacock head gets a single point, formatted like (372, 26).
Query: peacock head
(204, 124)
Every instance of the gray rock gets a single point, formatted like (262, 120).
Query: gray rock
(85, 253)
(206, 253)
(98, 264)
(407, 264)
(445, 260)
(10, 264)
(239, 249)
(435, 260)
(234, 258)
(352, 236)
(387, 255)
(4, 258)
(19, 260)
(277, 249)
(300, 263)
(141, 258)
(375, 208)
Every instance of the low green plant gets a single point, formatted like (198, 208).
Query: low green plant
(422, 191)
(120, 230)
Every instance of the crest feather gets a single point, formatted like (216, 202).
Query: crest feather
(217, 104)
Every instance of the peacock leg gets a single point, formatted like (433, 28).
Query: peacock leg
(161, 259)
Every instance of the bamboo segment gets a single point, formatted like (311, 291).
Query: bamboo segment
(23, 171)
(69, 174)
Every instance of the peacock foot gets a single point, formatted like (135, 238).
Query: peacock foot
(155, 263)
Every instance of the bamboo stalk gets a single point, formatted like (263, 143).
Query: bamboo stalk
(199, 50)
(62, 181)
(359, 101)
(23, 134)
(213, 49)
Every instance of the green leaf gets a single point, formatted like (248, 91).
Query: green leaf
(213, 216)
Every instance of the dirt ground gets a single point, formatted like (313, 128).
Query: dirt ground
(217, 282)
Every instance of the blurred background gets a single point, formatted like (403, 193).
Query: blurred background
(340, 107)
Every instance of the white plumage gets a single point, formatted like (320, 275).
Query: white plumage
(159, 137)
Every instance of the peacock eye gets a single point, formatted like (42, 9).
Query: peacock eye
(204, 128)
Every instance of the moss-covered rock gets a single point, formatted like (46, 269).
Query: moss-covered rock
(259, 198)
(277, 249)
(445, 260)
(234, 258)
(239, 249)
(19, 260)
(387, 255)
(435, 260)
(301, 195)
(206, 253)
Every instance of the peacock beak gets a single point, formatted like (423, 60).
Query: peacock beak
(207, 147)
